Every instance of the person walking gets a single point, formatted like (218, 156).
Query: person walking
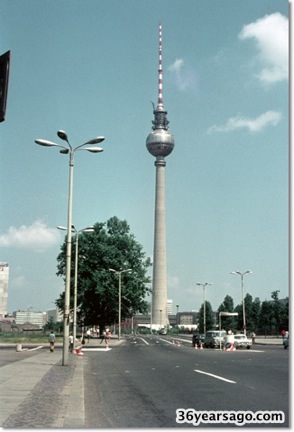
(51, 341)
(71, 340)
(103, 337)
(253, 336)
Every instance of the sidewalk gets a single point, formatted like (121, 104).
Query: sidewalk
(38, 392)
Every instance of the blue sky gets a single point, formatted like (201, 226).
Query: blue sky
(90, 68)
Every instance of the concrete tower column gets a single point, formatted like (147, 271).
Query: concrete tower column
(159, 297)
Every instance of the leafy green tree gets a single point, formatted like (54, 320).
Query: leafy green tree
(255, 313)
(110, 246)
(209, 315)
(227, 323)
(265, 318)
(277, 311)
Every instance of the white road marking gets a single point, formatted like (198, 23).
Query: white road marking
(165, 340)
(144, 341)
(215, 376)
(96, 349)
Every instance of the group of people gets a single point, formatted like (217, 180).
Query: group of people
(106, 335)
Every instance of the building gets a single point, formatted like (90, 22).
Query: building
(169, 307)
(54, 315)
(4, 277)
(160, 143)
(36, 318)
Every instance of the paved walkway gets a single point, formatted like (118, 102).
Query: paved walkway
(38, 392)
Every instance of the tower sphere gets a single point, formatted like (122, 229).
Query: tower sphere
(160, 143)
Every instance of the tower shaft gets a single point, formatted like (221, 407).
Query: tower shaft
(159, 292)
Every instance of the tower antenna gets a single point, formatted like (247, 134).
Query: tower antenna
(160, 71)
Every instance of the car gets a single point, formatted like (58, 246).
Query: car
(286, 342)
(197, 338)
(213, 338)
(163, 331)
(241, 341)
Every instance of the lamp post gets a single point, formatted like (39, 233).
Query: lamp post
(119, 272)
(237, 272)
(204, 305)
(87, 229)
(68, 149)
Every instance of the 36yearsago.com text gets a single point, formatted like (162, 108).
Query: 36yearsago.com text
(239, 418)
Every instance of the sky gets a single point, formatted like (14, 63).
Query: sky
(91, 68)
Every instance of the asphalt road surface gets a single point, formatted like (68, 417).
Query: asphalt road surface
(144, 381)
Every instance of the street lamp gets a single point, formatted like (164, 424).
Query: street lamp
(71, 151)
(87, 229)
(119, 272)
(204, 305)
(237, 272)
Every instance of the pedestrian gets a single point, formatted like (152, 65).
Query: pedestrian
(103, 337)
(253, 336)
(51, 339)
(88, 335)
(71, 339)
(108, 334)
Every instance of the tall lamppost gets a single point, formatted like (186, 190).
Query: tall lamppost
(87, 229)
(237, 272)
(119, 272)
(204, 285)
(71, 151)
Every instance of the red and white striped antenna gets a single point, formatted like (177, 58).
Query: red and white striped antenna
(160, 97)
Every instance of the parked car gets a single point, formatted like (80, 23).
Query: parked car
(213, 338)
(162, 331)
(197, 338)
(241, 341)
(286, 342)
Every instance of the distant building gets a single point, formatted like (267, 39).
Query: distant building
(187, 320)
(169, 307)
(36, 318)
(54, 315)
(4, 277)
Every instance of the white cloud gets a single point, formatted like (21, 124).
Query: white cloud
(37, 237)
(185, 77)
(271, 36)
(253, 125)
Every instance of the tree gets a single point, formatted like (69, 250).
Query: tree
(277, 311)
(228, 323)
(255, 313)
(111, 245)
(209, 317)
(265, 319)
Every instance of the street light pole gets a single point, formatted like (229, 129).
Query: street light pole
(204, 305)
(71, 151)
(73, 229)
(119, 272)
(237, 272)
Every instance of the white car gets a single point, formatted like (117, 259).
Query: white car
(241, 341)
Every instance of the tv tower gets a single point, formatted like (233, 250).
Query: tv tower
(160, 143)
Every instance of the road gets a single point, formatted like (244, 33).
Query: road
(144, 381)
